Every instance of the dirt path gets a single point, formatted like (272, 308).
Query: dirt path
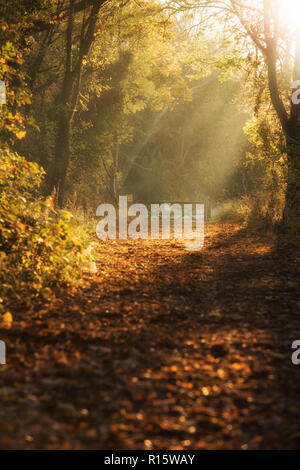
(162, 349)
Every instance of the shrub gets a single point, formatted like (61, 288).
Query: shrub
(265, 164)
(38, 248)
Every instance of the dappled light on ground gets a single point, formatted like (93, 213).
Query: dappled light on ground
(162, 348)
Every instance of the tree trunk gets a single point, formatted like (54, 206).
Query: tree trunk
(58, 173)
(69, 96)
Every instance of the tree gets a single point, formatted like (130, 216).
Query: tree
(71, 84)
(260, 24)
(133, 73)
(268, 42)
(16, 20)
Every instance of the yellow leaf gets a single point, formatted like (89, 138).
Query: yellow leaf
(7, 318)
(20, 135)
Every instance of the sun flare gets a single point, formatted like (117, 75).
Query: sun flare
(290, 12)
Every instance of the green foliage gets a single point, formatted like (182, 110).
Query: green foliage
(198, 143)
(267, 169)
(17, 20)
(134, 71)
(12, 121)
(38, 250)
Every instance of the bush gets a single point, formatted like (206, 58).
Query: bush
(266, 163)
(38, 248)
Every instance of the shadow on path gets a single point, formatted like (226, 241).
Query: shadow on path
(164, 349)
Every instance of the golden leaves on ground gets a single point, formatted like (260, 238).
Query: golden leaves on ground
(161, 349)
(6, 320)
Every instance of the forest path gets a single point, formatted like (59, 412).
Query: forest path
(163, 348)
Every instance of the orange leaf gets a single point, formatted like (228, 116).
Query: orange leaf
(20, 135)
(50, 203)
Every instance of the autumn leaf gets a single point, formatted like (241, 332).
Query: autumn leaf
(50, 204)
(7, 318)
(20, 135)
